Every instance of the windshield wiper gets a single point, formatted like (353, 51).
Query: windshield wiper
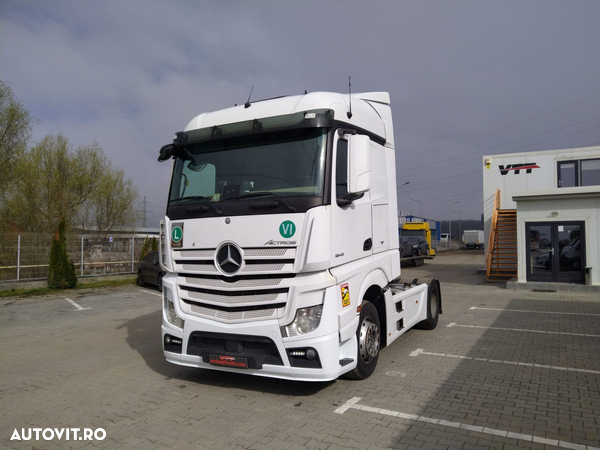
(262, 194)
(201, 197)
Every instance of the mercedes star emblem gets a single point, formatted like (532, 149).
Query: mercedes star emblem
(229, 259)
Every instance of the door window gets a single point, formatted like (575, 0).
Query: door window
(567, 174)
(556, 252)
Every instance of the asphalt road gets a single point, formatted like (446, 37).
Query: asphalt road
(504, 369)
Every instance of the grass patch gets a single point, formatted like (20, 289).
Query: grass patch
(45, 290)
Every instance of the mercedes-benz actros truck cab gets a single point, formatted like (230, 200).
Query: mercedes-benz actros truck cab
(280, 240)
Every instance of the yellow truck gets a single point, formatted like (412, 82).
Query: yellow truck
(419, 229)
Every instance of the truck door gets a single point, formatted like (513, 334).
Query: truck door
(351, 224)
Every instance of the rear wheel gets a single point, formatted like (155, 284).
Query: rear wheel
(140, 278)
(434, 303)
(368, 336)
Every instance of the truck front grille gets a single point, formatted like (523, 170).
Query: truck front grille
(258, 291)
(232, 316)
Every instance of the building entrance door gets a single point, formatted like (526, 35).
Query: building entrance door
(556, 251)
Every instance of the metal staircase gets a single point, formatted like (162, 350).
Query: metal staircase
(501, 256)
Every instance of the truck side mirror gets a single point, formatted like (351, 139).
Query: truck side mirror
(359, 164)
(166, 152)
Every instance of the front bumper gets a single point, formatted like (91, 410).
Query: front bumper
(325, 341)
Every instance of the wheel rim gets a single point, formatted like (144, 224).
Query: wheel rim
(369, 340)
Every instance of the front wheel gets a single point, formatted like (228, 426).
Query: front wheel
(368, 336)
(159, 284)
(140, 278)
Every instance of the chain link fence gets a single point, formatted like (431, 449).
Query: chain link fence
(25, 256)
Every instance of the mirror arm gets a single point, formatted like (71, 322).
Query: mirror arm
(342, 132)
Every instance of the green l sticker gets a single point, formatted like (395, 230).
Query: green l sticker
(287, 229)
(176, 234)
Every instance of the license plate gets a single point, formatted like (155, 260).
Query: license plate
(228, 361)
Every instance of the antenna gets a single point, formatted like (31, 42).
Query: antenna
(349, 113)
(247, 104)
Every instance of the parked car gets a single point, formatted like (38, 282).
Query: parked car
(413, 246)
(150, 271)
(570, 255)
(544, 260)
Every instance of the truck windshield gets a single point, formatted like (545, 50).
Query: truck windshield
(288, 164)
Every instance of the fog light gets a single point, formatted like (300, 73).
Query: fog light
(172, 344)
(307, 358)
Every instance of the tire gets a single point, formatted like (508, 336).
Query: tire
(159, 283)
(140, 278)
(368, 336)
(434, 305)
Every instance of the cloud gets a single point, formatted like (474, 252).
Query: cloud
(129, 74)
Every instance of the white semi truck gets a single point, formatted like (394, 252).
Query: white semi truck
(280, 241)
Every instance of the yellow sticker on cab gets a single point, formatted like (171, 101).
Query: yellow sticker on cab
(345, 295)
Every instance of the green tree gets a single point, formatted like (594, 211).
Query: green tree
(154, 245)
(61, 273)
(145, 249)
(112, 204)
(15, 132)
(55, 180)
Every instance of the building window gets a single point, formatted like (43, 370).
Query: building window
(584, 172)
(590, 172)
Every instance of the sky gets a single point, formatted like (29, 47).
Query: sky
(466, 78)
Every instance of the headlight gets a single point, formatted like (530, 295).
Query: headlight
(172, 316)
(306, 321)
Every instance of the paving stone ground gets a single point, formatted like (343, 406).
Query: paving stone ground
(104, 368)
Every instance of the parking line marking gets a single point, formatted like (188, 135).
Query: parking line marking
(450, 325)
(353, 404)
(342, 409)
(472, 308)
(79, 308)
(421, 351)
(148, 292)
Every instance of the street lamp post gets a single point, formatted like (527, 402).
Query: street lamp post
(459, 229)
(420, 213)
(450, 225)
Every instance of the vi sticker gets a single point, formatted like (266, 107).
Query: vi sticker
(287, 229)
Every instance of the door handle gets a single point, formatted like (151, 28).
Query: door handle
(551, 251)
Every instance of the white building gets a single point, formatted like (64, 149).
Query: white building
(547, 225)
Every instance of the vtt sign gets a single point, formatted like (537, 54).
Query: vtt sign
(517, 168)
